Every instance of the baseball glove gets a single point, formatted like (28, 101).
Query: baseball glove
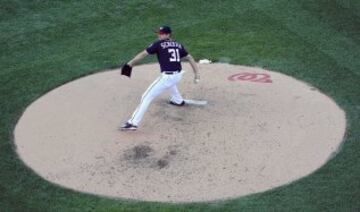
(126, 70)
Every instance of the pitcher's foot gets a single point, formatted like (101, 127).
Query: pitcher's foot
(176, 104)
(128, 127)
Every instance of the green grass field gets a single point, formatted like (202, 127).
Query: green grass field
(44, 44)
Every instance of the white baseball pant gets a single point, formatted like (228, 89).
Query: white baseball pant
(163, 83)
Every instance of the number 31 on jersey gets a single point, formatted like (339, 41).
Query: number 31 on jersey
(175, 55)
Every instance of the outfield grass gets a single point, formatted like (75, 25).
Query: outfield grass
(47, 43)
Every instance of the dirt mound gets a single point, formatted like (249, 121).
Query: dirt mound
(259, 130)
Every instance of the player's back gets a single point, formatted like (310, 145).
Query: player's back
(169, 53)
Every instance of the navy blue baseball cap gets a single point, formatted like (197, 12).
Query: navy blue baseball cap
(164, 30)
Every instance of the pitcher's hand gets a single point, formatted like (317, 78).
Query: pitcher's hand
(197, 79)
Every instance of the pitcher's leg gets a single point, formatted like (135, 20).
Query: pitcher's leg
(155, 89)
(175, 95)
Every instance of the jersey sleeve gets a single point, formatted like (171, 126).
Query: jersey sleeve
(153, 48)
(183, 52)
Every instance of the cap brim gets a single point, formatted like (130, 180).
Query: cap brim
(158, 31)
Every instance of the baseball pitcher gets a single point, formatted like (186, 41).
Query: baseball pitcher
(169, 54)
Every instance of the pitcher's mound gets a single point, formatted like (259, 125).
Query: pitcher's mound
(259, 130)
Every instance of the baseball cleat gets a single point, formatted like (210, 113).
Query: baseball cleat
(127, 127)
(176, 104)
